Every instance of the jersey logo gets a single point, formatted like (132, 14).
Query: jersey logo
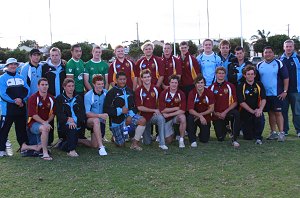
(80, 76)
(255, 90)
(168, 100)
(177, 100)
(153, 94)
(153, 65)
(247, 91)
(144, 94)
(70, 70)
(197, 100)
(118, 66)
(225, 91)
(216, 91)
(143, 65)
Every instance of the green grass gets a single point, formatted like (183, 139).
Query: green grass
(211, 170)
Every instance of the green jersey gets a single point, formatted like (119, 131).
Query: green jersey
(76, 68)
(91, 68)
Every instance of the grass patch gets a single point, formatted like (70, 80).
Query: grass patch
(211, 170)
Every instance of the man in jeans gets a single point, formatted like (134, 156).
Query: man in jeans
(292, 62)
(146, 98)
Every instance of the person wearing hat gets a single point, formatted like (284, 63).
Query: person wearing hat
(32, 70)
(14, 93)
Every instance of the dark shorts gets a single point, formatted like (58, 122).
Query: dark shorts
(273, 104)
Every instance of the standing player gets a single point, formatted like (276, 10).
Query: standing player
(275, 78)
(172, 65)
(154, 63)
(95, 66)
(122, 64)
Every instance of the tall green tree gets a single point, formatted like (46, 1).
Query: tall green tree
(107, 54)
(28, 43)
(277, 41)
(86, 49)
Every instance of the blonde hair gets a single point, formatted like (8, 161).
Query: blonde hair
(146, 45)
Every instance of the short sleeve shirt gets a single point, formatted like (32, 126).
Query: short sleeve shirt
(92, 68)
(76, 68)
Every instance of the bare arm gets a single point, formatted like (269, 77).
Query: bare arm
(86, 82)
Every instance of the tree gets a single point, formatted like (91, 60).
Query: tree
(296, 40)
(193, 49)
(234, 42)
(158, 50)
(107, 54)
(86, 49)
(28, 43)
(260, 41)
(61, 45)
(277, 41)
(20, 55)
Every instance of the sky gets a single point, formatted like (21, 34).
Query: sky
(115, 21)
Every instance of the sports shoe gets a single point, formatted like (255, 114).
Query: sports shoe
(298, 134)
(281, 137)
(235, 144)
(2, 153)
(163, 147)
(181, 143)
(177, 137)
(273, 136)
(8, 149)
(194, 144)
(286, 133)
(102, 151)
(258, 141)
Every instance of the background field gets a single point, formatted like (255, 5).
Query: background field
(211, 170)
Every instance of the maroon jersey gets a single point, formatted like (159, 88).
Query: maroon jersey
(38, 106)
(127, 66)
(190, 70)
(201, 103)
(148, 99)
(154, 64)
(166, 100)
(225, 95)
(172, 66)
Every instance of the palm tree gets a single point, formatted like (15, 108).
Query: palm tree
(261, 34)
(259, 41)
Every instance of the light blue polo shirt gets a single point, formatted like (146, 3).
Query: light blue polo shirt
(94, 102)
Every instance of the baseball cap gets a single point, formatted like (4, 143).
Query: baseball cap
(35, 51)
(10, 61)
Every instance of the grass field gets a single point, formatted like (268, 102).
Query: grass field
(211, 170)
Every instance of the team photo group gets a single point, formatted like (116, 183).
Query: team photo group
(155, 99)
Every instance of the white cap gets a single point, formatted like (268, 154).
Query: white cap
(10, 61)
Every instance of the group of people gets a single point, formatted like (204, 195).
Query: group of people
(166, 97)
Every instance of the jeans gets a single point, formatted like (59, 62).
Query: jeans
(160, 121)
(292, 99)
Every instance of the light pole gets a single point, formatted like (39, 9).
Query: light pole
(174, 39)
(242, 42)
(207, 12)
(50, 22)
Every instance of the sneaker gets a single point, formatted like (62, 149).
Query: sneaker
(194, 145)
(102, 151)
(258, 141)
(281, 137)
(8, 149)
(273, 136)
(286, 133)
(177, 137)
(235, 144)
(163, 147)
(298, 134)
(2, 153)
(181, 143)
